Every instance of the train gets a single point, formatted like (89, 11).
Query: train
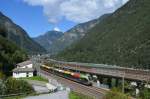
(74, 76)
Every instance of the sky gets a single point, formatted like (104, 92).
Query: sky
(40, 16)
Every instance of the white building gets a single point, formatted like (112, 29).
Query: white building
(23, 72)
(25, 64)
(24, 69)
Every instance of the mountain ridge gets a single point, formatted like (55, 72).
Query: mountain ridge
(48, 38)
(74, 34)
(121, 39)
(18, 35)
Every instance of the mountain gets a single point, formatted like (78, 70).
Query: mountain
(10, 54)
(121, 39)
(48, 38)
(73, 35)
(19, 36)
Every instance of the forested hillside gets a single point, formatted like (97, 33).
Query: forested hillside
(10, 54)
(121, 39)
(19, 36)
(74, 34)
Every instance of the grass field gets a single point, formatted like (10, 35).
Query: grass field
(38, 78)
(75, 95)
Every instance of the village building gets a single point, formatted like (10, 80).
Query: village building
(24, 69)
(25, 64)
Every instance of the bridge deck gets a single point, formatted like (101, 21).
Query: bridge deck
(138, 75)
(106, 70)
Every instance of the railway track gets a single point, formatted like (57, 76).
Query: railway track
(131, 74)
(96, 93)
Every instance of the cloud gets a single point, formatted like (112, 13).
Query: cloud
(77, 11)
(57, 29)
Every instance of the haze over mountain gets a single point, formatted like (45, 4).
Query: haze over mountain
(123, 38)
(48, 38)
(18, 36)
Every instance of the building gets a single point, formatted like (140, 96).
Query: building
(25, 64)
(24, 69)
(23, 72)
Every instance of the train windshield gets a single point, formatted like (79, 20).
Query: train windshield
(84, 79)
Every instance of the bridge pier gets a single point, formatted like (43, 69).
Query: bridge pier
(109, 82)
(140, 85)
(116, 82)
(102, 81)
(100, 78)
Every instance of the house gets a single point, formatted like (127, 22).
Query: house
(23, 72)
(25, 64)
(24, 69)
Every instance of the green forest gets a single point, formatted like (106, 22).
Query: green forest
(122, 39)
(10, 54)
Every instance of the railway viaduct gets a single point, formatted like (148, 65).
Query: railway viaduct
(118, 74)
(106, 74)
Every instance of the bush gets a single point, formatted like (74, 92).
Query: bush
(145, 94)
(2, 75)
(2, 88)
(115, 94)
(14, 86)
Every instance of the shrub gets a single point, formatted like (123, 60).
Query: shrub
(115, 94)
(14, 86)
(145, 94)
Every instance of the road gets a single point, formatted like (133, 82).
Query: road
(39, 86)
(57, 95)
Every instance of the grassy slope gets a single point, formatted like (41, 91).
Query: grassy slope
(38, 78)
(74, 95)
(121, 39)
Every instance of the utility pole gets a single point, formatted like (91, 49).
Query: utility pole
(40, 63)
(123, 82)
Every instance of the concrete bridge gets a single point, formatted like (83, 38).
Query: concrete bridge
(106, 70)
(101, 70)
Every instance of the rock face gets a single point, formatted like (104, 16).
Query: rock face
(123, 39)
(73, 35)
(48, 38)
(19, 36)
